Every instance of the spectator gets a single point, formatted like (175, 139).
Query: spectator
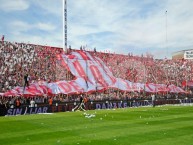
(32, 103)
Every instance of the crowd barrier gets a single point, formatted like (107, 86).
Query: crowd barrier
(92, 105)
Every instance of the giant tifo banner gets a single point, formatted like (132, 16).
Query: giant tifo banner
(91, 74)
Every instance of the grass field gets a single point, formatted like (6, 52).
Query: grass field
(167, 125)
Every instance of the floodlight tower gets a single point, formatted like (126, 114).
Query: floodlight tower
(166, 35)
(65, 26)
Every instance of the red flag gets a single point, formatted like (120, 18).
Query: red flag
(184, 83)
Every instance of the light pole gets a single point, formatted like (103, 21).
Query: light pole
(65, 26)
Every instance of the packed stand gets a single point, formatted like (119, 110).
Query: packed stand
(145, 69)
(12, 101)
(41, 63)
(18, 59)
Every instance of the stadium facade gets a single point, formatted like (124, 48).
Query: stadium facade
(183, 54)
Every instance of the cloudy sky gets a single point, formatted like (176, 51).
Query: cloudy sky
(120, 26)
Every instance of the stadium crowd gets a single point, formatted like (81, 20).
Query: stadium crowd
(41, 63)
(19, 59)
(110, 95)
(145, 69)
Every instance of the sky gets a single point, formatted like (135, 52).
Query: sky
(116, 26)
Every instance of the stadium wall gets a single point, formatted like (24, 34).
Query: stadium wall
(183, 54)
(68, 106)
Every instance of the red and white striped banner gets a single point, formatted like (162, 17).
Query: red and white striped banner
(91, 75)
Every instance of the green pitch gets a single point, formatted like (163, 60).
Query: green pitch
(167, 125)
